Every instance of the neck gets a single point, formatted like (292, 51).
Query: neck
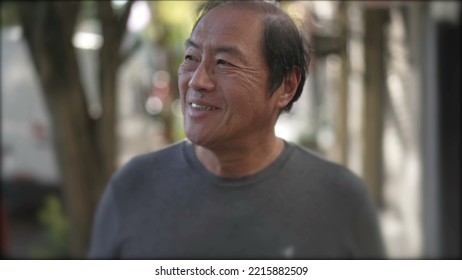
(241, 160)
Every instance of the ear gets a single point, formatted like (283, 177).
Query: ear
(288, 88)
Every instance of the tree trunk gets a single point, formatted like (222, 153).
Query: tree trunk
(111, 57)
(375, 20)
(342, 104)
(86, 147)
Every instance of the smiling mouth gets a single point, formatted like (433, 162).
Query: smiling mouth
(203, 107)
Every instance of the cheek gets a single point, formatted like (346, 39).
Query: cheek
(183, 79)
(250, 98)
(251, 85)
(244, 102)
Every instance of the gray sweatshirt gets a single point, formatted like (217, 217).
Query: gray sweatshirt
(166, 205)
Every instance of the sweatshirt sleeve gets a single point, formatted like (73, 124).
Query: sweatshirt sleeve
(367, 229)
(104, 238)
(369, 233)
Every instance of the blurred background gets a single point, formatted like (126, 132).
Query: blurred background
(87, 85)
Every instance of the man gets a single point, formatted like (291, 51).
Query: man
(235, 190)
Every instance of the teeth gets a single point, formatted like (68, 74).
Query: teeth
(202, 107)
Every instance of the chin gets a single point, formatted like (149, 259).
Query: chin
(199, 140)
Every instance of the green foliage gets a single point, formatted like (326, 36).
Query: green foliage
(52, 217)
(178, 128)
(9, 13)
(171, 25)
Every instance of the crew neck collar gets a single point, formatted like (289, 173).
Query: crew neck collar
(265, 174)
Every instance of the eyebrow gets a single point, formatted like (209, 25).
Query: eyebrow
(219, 49)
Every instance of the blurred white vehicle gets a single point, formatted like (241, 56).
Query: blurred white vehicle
(29, 166)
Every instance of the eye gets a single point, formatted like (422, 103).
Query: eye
(190, 62)
(222, 62)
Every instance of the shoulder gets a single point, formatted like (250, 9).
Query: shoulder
(326, 175)
(145, 166)
(315, 163)
(169, 152)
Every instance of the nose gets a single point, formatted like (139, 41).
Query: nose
(202, 79)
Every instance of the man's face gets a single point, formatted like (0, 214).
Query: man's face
(223, 81)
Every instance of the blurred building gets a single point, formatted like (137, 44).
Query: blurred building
(383, 98)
